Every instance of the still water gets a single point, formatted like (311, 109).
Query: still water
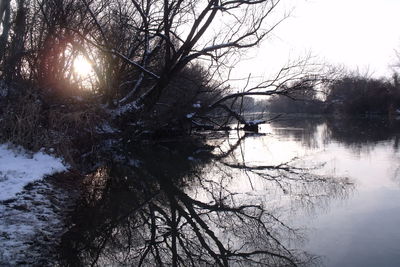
(304, 191)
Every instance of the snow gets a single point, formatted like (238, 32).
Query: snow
(197, 105)
(3, 89)
(190, 115)
(32, 223)
(107, 129)
(124, 109)
(255, 122)
(32, 209)
(134, 162)
(18, 168)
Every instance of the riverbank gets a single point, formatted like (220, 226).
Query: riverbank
(36, 193)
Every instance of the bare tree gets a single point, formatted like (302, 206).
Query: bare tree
(167, 36)
(139, 51)
(164, 63)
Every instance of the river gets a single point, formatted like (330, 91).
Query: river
(303, 191)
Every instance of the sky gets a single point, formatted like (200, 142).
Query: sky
(359, 34)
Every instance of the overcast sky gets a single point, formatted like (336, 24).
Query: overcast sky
(355, 33)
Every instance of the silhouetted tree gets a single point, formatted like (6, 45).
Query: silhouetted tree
(361, 95)
(301, 98)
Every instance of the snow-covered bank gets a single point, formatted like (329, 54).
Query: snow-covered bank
(32, 209)
(19, 168)
(31, 224)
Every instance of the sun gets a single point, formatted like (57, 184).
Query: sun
(82, 67)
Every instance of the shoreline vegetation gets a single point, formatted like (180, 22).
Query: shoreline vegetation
(77, 127)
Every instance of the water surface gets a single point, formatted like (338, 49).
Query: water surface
(302, 192)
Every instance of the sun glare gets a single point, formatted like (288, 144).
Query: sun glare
(82, 67)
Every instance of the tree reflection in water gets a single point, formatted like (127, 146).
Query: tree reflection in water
(173, 210)
(358, 133)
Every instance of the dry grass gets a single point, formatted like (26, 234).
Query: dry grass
(68, 129)
(21, 123)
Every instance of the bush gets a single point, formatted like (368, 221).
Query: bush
(21, 122)
(67, 129)
(355, 94)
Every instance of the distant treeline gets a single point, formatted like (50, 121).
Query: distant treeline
(350, 95)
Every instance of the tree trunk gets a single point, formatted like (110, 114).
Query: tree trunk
(13, 66)
(6, 24)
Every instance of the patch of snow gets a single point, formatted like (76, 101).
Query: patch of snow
(124, 109)
(255, 122)
(398, 111)
(106, 128)
(137, 123)
(18, 168)
(191, 158)
(190, 115)
(3, 89)
(197, 105)
(134, 162)
(32, 223)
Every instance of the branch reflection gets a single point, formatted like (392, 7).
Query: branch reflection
(182, 205)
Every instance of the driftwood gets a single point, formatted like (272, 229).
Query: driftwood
(252, 126)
